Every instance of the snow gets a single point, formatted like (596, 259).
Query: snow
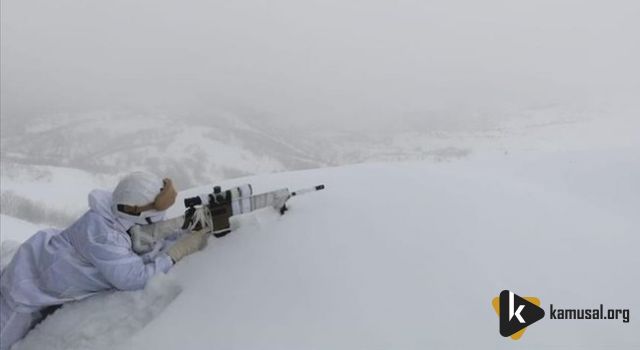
(498, 141)
(218, 146)
(48, 194)
(394, 255)
(12, 229)
(106, 142)
(13, 232)
(104, 320)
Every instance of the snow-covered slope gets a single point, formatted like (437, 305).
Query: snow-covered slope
(210, 147)
(13, 229)
(404, 255)
(191, 150)
(12, 232)
(48, 194)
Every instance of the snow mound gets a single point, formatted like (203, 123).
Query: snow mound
(102, 321)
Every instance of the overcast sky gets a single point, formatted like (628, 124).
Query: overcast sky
(329, 62)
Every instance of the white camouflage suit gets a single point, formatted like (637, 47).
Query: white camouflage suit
(52, 267)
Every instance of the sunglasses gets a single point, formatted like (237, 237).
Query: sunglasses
(162, 202)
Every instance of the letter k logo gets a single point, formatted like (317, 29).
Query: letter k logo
(511, 306)
(516, 313)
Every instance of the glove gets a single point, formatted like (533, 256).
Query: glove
(145, 238)
(189, 244)
(141, 242)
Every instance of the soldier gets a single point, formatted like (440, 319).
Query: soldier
(92, 255)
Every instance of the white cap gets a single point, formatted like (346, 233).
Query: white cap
(137, 189)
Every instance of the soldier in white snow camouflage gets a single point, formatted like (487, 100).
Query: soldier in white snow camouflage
(94, 254)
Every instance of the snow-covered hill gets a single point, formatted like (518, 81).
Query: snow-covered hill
(197, 149)
(402, 255)
(191, 151)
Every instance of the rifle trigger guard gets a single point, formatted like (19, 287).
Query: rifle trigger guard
(189, 215)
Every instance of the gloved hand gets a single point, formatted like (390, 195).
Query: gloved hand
(188, 244)
(146, 238)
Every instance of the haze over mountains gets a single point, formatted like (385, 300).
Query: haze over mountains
(205, 148)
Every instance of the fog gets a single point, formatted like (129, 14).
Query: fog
(328, 64)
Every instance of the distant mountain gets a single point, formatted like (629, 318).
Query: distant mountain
(210, 148)
(190, 151)
(201, 149)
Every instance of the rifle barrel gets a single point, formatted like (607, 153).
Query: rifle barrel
(307, 190)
